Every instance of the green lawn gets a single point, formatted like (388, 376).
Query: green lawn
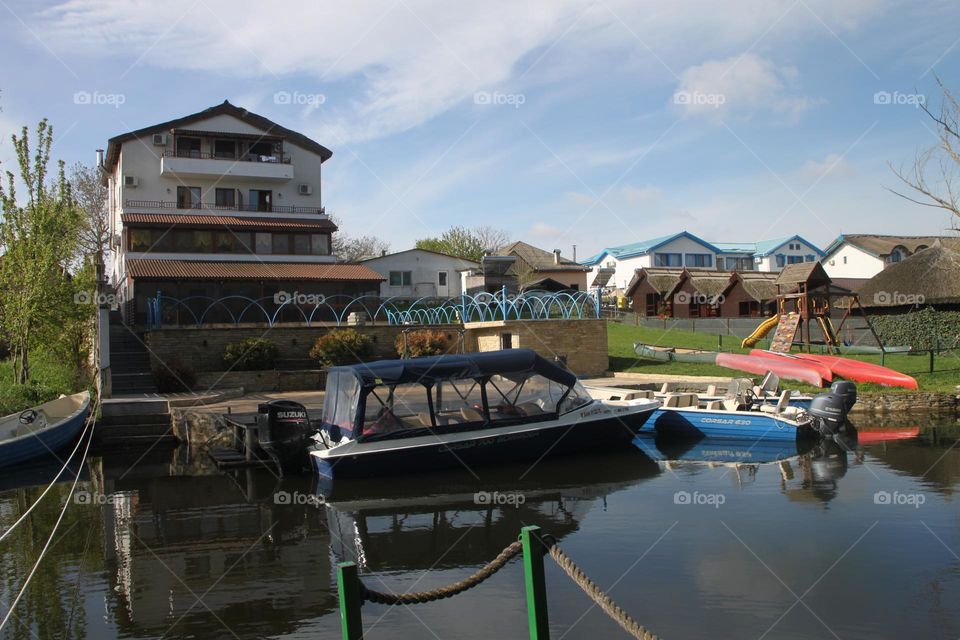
(49, 378)
(621, 337)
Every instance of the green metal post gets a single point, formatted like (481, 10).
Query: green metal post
(536, 587)
(720, 342)
(348, 588)
(931, 360)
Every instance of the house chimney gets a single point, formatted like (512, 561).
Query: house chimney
(99, 158)
(574, 253)
(556, 256)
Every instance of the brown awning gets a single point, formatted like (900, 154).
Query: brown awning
(233, 222)
(217, 270)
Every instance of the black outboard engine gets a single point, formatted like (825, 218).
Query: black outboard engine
(829, 412)
(846, 390)
(283, 429)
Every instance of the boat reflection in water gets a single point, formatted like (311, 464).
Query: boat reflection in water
(455, 519)
(808, 470)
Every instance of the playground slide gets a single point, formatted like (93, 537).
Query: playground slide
(759, 332)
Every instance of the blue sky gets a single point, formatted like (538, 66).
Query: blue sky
(587, 122)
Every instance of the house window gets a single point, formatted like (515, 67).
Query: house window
(224, 242)
(139, 239)
(781, 259)
(808, 257)
(844, 259)
(442, 278)
(241, 242)
(225, 149)
(281, 243)
(401, 278)
(188, 147)
(226, 197)
(301, 244)
(188, 197)
(264, 243)
(667, 260)
(794, 259)
(260, 200)
(703, 260)
(896, 256)
(320, 244)
(202, 241)
(506, 341)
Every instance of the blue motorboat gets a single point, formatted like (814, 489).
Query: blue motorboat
(726, 451)
(43, 430)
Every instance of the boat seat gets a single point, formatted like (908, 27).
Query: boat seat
(715, 405)
(426, 421)
(645, 394)
(665, 389)
(469, 414)
(731, 404)
(530, 409)
(782, 404)
(711, 389)
(681, 400)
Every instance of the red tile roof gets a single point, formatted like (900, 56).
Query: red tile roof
(216, 270)
(234, 222)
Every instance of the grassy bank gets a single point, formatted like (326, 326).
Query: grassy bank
(49, 378)
(621, 337)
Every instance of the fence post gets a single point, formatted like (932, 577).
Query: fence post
(720, 342)
(348, 590)
(536, 587)
(503, 301)
(931, 360)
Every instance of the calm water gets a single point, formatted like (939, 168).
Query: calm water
(829, 543)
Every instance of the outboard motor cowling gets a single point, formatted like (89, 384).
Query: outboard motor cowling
(283, 429)
(828, 411)
(846, 390)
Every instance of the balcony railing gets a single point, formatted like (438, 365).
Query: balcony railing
(273, 158)
(204, 206)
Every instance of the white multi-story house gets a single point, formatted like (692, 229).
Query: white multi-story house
(685, 250)
(866, 255)
(418, 273)
(221, 203)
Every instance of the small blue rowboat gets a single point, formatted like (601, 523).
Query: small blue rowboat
(43, 430)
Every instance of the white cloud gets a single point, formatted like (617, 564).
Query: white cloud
(740, 86)
(833, 165)
(401, 64)
(544, 231)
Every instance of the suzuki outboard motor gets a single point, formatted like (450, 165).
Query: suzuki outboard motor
(283, 429)
(846, 390)
(828, 411)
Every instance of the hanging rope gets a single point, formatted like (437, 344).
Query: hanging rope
(611, 608)
(448, 591)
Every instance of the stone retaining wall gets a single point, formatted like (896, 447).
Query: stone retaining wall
(919, 402)
(270, 380)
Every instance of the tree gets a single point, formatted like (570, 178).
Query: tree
(90, 194)
(353, 249)
(934, 173)
(470, 244)
(39, 240)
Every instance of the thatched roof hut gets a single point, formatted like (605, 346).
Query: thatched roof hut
(929, 277)
(759, 285)
(810, 274)
(662, 280)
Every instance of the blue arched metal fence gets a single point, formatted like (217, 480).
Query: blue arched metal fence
(312, 309)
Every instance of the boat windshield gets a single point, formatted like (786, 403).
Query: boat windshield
(577, 397)
(340, 402)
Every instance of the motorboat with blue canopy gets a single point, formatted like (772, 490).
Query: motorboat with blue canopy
(415, 415)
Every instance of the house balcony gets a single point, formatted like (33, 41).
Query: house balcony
(242, 209)
(276, 168)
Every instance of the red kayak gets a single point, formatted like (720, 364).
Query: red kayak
(822, 369)
(862, 371)
(785, 368)
(873, 436)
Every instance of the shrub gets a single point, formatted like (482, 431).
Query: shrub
(252, 354)
(925, 328)
(174, 376)
(341, 346)
(424, 342)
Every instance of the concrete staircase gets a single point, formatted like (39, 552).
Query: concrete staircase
(129, 359)
(140, 422)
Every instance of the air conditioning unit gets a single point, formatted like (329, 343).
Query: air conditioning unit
(131, 181)
(160, 139)
(305, 189)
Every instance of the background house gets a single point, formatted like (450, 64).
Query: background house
(522, 267)
(220, 203)
(684, 250)
(862, 256)
(418, 273)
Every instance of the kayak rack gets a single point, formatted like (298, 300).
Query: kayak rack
(533, 545)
